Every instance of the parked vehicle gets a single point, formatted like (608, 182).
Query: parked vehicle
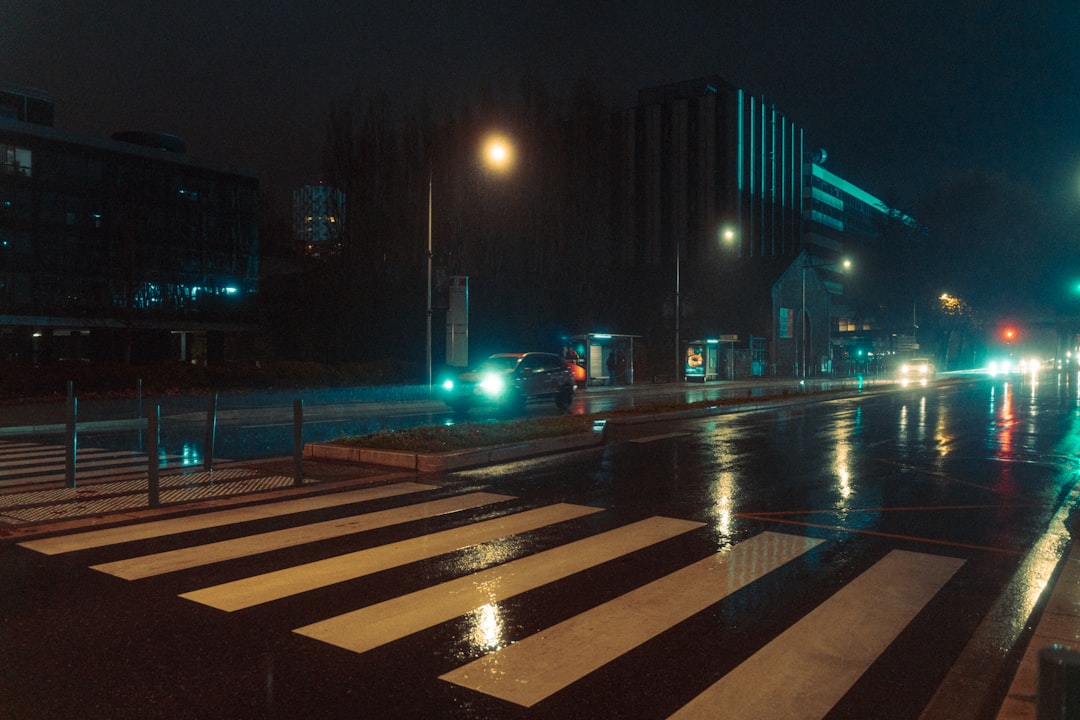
(509, 381)
(577, 370)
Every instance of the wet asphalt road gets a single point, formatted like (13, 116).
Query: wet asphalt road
(866, 544)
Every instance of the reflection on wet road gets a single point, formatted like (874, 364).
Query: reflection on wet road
(856, 558)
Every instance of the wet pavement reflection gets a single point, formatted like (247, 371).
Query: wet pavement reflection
(892, 543)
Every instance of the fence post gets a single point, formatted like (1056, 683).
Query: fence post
(72, 444)
(152, 459)
(298, 442)
(211, 432)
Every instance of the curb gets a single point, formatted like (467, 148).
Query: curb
(453, 460)
(477, 457)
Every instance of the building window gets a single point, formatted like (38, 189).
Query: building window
(16, 160)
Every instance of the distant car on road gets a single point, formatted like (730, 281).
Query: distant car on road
(1008, 365)
(917, 370)
(510, 380)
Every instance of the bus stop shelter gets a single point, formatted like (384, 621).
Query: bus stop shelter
(607, 358)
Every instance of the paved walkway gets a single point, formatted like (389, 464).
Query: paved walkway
(1058, 624)
(44, 508)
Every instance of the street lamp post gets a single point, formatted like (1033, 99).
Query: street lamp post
(800, 357)
(429, 379)
(728, 235)
(678, 311)
(497, 153)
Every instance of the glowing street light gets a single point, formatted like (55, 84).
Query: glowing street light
(950, 304)
(727, 235)
(497, 154)
(803, 338)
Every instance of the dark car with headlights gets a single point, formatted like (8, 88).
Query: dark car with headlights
(509, 381)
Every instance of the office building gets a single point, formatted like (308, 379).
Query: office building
(123, 248)
(318, 220)
(717, 193)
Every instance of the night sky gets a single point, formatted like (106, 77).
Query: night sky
(904, 94)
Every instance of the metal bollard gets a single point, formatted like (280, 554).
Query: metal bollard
(1059, 683)
(211, 433)
(152, 460)
(72, 441)
(298, 442)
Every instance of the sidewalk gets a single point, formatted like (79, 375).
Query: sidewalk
(1059, 624)
(32, 510)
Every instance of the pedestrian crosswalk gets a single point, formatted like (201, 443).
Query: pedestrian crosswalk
(375, 625)
(34, 487)
(184, 558)
(24, 463)
(586, 642)
(810, 666)
(264, 588)
(802, 672)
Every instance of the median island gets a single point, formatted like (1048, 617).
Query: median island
(495, 432)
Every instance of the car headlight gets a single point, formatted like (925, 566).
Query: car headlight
(448, 385)
(493, 385)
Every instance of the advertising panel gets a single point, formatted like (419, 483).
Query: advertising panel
(457, 322)
(695, 361)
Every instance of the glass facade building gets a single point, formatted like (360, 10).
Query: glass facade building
(318, 220)
(119, 248)
(717, 196)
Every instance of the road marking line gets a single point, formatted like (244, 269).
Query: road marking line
(540, 665)
(906, 508)
(183, 558)
(172, 526)
(805, 671)
(376, 625)
(878, 533)
(264, 588)
(655, 438)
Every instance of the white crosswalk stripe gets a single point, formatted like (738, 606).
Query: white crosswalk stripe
(802, 673)
(282, 583)
(535, 668)
(25, 463)
(160, 563)
(806, 670)
(161, 528)
(370, 627)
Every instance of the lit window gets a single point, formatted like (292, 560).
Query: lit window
(16, 160)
